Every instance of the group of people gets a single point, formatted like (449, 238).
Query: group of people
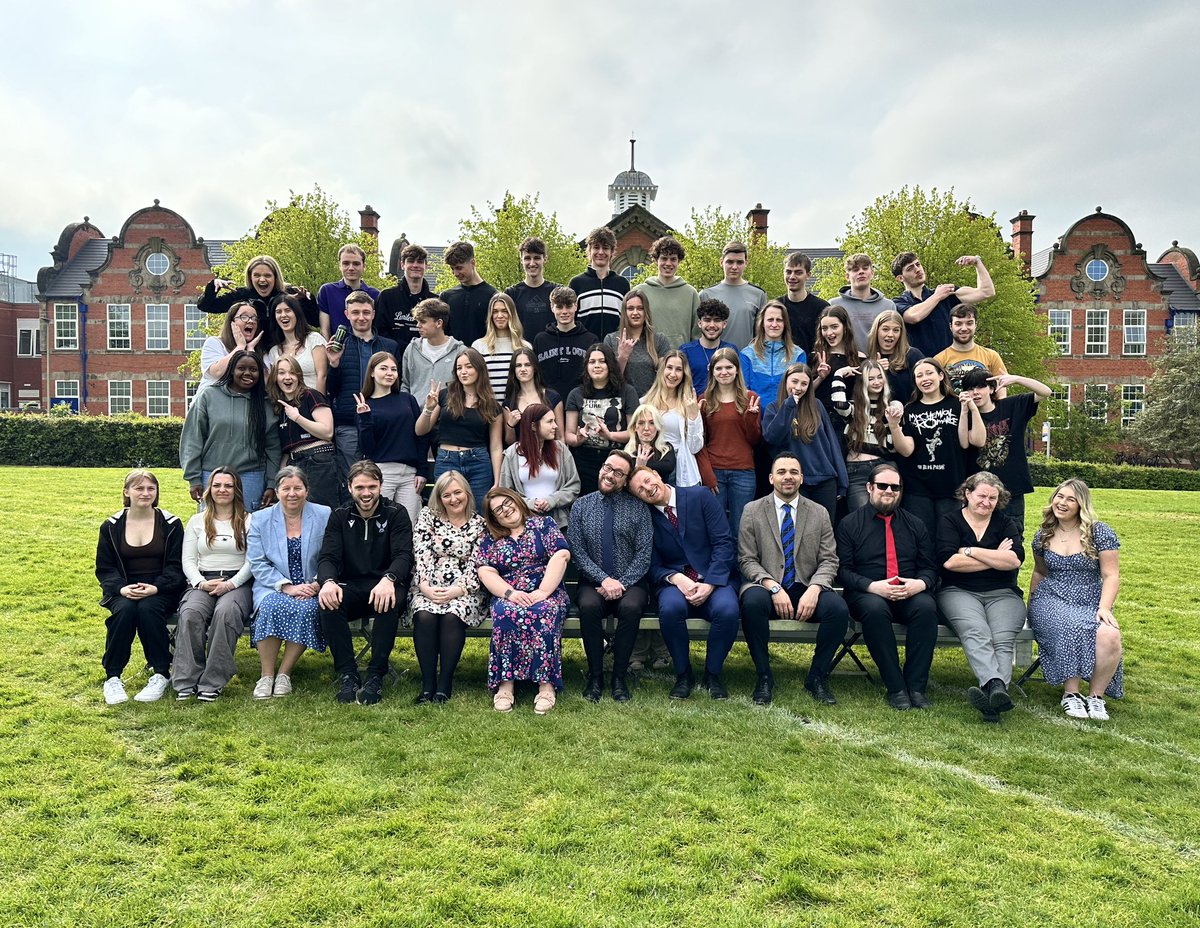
(624, 398)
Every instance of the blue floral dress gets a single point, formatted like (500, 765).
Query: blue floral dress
(526, 641)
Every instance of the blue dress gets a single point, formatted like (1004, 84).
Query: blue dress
(288, 618)
(1062, 612)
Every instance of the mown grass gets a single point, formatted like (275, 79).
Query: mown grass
(301, 812)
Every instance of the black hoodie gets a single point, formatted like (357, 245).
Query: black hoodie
(561, 356)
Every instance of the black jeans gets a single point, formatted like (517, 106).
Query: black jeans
(145, 619)
(593, 607)
(356, 605)
(831, 613)
(876, 616)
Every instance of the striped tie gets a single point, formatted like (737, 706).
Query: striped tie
(787, 538)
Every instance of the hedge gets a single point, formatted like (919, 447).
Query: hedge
(1113, 476)
(53, 440)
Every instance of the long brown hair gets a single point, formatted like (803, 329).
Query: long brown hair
(741, 396)
(760, 331)
(808, 414)
(867, 414)
(532, 447)
(647, 336)
(275, 392)
(456, 393)
(378, 358)
(237, 521)
(849, 346)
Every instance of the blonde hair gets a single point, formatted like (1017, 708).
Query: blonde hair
(516, 332)
(660, 441)
(439, 487)
(1087, 516)
(898, 356)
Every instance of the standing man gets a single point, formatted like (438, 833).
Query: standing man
(745, 301)
(693, 554)
(562, 348)
(714, 317)
(363, 570)
(394, 308)
(598, 289)
(861, 301)
(611, 538)
(888, 574)
(468, 301)
(788, 557)
(430, 357)
(803, 307)
(331, 298)
(532, 295)
(673, 301)
(964, 354)
(927, 312)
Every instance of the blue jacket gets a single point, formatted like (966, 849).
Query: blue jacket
(820, 459)
(763, 374)
(703, 541)
(266, 546)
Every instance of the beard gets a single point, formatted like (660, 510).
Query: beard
(886, 508)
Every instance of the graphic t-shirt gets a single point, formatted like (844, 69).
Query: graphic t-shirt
(605, 406)
(935, 468)
(1004, 451)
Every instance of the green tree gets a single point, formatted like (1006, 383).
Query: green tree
(1169, 426)
(497, 234)
(1084, 431)
(705, 236)
(940, 229)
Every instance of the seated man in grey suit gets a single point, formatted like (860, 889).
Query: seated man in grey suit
(788, 558)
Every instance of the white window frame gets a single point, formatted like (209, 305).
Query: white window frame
(66, 327)
(1134, 320)
(1063, 395)
(161, 339)
(6, 395)
(189, 394)
(155, 396)
(1133, 401)
(1098, 388)
(34, 329)
(66, 389)
(115, 339)
(126, 388)
(193, 327)
(1095, 342)
(1060, 330)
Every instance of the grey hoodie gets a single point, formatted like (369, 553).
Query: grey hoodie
(673, 308)
(862, 312)
(424, 363)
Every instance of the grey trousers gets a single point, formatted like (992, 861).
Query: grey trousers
(206, 638)
(398, 487)
(987, 624)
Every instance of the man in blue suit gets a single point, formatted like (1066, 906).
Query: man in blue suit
(693, 555)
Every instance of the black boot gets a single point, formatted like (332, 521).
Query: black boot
(684, 684)
(594, 687)
(620, 688)
(997, 694)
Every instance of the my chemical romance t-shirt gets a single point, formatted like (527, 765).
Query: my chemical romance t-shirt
(935, 468)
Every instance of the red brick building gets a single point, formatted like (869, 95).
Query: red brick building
(20, 344)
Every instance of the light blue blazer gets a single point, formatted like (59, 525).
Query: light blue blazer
(267, 546)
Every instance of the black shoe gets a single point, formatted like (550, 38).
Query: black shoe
(684, 684)
(712, 683)
(594, 687)
(763, 691)
(372, 690)
(441, 698)
(997, 694)
(919, 700)
(819, 687)
(979, 699)
(348, 686)
(620, 689)
(992, 717)
(424, 699)
(899, 700)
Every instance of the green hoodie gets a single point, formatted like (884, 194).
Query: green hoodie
(673, 308)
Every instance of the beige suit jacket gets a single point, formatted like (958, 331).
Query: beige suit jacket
(760, 553)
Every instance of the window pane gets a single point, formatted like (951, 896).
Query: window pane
(1060, 329)
(1095, 401)
(158, 327)
(158, 397)
(1133, 400)
(1096, 342)
(119, 323)
(1135, 331)
(120, 396)
(193, 319)
(66, 326)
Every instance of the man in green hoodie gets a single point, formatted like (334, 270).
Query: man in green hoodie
(673, 301)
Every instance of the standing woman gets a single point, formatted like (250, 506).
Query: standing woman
(295, 338)
(887, 343)
(672, 395)
(445, 598)
(387, 433)
(733, 426)
(1076, 577)
(470, 424)
(502, 336)
(636, 345)
(264, 283)
(232, 424)
(284, 544)
(240, 332)
(305, 424)
(798, 423)
(540, 467)
(930, 437)
(834, 351)
(522, 561)
(218, 599)
(139, 563)
(525, 387)
(598, 414)
(648, 445)
(771, 351)
(863, 408)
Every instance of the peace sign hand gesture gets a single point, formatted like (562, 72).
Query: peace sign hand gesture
(360, 404)
(755, 404)
(431, 398)
(822, 365)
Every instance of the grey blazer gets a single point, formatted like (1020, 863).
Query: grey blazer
(760, 553)
(566, 487)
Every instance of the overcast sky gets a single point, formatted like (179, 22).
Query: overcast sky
(216, 107)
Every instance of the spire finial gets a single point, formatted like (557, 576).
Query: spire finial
(632, 142)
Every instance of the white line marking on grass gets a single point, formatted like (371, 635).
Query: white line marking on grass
(1045, 715)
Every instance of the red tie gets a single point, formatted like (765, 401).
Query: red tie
(688, 571)
(893, 565)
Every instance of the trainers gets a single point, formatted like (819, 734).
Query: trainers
(208, 695)
(154, 689)
(283, 685)
(1074, 706)
(185, 695)
(114, 691)
(348, 685)
(264, 688)
(636, 666)
(1096, 709)
(661, 663)
(372, 690)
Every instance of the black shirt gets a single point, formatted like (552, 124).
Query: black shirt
(935, 468)
(955, 533)
(467, 431)
(803, 319)
(1004, 451)
(862, 549)
(393, 312)
(468, 311)
(533, 306)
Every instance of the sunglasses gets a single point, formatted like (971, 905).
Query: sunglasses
(894, 487)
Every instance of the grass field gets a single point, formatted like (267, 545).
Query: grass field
(302, 812)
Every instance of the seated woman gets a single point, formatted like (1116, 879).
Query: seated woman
(305, 424)
(218, 601)
(540, 467)
(980, 551)
(648, 443)
(445, 598)
(297, 339)
(1075, 581)
(139, 563)
(284, 543)
(522, 561)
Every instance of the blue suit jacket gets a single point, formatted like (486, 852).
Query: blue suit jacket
(266, 546)
(703, 539)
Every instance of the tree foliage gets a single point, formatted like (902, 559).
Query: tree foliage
(705, 236)
(1084, 431)
(497, 235)
(1169, 425)
(940, 229)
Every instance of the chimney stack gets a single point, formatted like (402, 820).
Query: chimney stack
(368, 221)
(758, 220)
(1022, 238)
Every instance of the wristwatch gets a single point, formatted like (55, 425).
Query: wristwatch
(390, 576)
(774, 588)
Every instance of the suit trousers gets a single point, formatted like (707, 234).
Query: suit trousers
(335, 623)
(876, 616)
(831, 612)
(723, 613)
(593, 607)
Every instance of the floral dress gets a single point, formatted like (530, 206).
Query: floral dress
(526, 641)
(445, 556)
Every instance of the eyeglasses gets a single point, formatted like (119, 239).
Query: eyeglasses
(607, 469)
(506, 508)
(245, 318)
(894, 487)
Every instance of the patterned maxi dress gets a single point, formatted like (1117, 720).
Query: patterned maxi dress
(526, 642)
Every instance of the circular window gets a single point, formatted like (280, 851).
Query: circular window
(158, 264)
(1096, 269)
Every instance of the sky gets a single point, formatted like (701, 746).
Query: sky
(422, 110)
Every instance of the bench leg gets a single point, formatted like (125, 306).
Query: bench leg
(847, 650)
(1033, 668)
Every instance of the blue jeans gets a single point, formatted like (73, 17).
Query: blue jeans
(254, 483)
(735, 490)
(475, 465)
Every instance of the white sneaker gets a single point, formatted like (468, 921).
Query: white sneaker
(283, 685)
(154, 689)
(1096, 709)
(1074, 706)
(264, 687)
(114, 691)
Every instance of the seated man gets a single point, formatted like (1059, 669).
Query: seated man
(888, 575)
(693, 554)
(788, 558)
(365, 563)
(611, 537)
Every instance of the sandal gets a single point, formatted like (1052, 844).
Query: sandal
(503, 701)
(544, 702)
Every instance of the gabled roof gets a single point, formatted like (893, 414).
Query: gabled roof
(635, 216)
(215, 251)
(69, 281)
(1180, 296)
(1039, 264)
(1189, 257)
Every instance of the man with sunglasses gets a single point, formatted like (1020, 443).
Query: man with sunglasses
(888, 575)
